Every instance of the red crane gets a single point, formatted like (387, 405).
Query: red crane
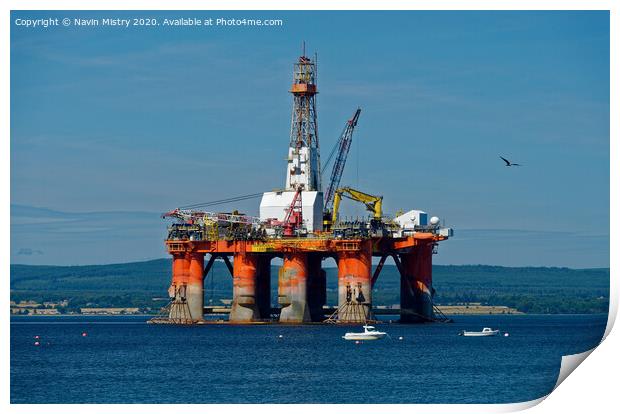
(294, 218)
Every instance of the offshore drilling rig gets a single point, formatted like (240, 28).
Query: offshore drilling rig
(300, 224)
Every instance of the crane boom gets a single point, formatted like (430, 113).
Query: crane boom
(372, 203)
(197, 216)
(294, 218)
(344, 143)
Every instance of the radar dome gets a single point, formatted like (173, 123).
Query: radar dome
(434, 220)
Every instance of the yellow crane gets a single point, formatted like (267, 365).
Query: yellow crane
(372, 203)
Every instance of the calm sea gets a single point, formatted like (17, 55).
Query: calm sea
(124, 360)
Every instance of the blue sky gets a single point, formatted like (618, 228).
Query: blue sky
(111, 126)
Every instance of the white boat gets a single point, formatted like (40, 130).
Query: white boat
(369, 334)
(484, 332)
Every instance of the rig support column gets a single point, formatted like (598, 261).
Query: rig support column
(244, 306)
(293, 289)
(317, 295)
(179, 310)
(195, 286)
(416, 285)
(354, 283)
(179, 276)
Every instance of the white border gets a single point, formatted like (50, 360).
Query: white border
(591, 389)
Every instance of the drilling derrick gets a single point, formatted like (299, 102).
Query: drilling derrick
(303, 169)
(303, 154)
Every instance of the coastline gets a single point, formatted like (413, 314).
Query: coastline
(75, 315)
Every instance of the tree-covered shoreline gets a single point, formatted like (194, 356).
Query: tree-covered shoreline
(547, 290)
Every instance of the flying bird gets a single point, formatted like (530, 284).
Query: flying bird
(508, 163)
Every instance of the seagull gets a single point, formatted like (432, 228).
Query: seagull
(508, 163)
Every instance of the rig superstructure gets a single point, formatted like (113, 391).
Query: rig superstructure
(300, 224)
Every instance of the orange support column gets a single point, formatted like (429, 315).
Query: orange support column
(244, 306)
(354, 283)
(292, 288)
(195, 286)
(416, 285)
(317, 295)
(180, 273)
(177, 272)
(178, 288)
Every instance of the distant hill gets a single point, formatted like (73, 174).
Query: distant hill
(529, 289)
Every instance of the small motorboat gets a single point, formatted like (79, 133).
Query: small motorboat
(369, 334)
(484, 332)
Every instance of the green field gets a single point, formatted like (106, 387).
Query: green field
(528, 289)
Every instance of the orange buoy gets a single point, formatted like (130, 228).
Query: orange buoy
(83, 333)
(36, 343)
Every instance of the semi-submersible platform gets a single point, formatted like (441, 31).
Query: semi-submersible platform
(300, 225)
